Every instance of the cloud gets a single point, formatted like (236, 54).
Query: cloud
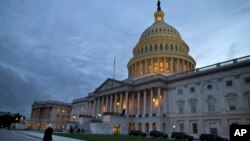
(62, 50)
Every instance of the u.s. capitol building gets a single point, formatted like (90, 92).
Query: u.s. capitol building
(165, 92)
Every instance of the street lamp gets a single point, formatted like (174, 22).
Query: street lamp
(174, 127)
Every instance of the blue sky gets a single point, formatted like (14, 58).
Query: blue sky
(64, 49)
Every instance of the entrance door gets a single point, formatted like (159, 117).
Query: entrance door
(116, 129)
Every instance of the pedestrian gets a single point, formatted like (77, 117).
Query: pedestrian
(48, 133)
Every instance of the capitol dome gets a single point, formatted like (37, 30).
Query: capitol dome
(160, 50)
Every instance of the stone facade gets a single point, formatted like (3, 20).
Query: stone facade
(165, 92)
(49, 112)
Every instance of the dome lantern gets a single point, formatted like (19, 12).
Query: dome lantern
(159, 15)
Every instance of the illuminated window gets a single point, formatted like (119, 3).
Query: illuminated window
(161, 65)
(149, 66)
(155, 66)
(167, 66)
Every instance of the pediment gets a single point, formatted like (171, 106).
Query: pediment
(108, 84)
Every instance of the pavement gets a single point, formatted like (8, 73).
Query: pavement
(39, 136)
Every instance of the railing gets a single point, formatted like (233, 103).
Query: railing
(87, 116)
(114, 113)
(210, 67)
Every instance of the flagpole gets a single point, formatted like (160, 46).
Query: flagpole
(114, 68)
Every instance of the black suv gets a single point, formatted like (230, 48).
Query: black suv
(137, 133)
(157, 134)
(184, 136)
(211, 137)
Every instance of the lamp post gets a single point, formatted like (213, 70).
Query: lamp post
(174, 127)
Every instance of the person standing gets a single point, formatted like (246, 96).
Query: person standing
(48, 133)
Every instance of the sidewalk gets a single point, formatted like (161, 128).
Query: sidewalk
(40, 136)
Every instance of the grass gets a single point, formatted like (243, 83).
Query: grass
(91, 137)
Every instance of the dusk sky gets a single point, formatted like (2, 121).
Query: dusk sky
(63, 49)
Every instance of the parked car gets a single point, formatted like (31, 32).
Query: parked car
(157, 134)
(184, 136)
(211, 137)
(173, 134)
(137, 133)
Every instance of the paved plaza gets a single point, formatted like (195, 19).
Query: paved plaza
(11, 135)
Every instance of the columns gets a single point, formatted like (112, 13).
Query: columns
(102, 104)
(132, 103)
(140, 68)
(152, 66)
(111, 103)
(146, 66)
(172, 65)
(151, 101)
(98, 105)
(106, 103)
(126, 103)
(121, 103)
(159, 102)
(115, 110)
(178, 65)
(158, 61)
(94, 108)
(164, 101)
(138, 103)
(164, 65)
(144, 102)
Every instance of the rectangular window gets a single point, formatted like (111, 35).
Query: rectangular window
(181, 127)
(181, 107)
(149, 66)
(247, 80)
(194, 127)
(229, 83)
(161, 65)
(193, 107)
(192, 89)
(150, 47)
(213, 131)
(160, 46)
(146, 49)
(179, 91)
(248, 102)
(232, 104)
(155, 47)
(167, 66)
(166, 46)
(155, 65)
(211, 107)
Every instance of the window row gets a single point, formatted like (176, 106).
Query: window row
(159, 65)
(160, 30)
(228, 83)
(231, 102)
(160, 47)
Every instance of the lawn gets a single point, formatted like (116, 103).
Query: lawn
(91, 137)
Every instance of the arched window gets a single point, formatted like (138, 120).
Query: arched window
(211, 104)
